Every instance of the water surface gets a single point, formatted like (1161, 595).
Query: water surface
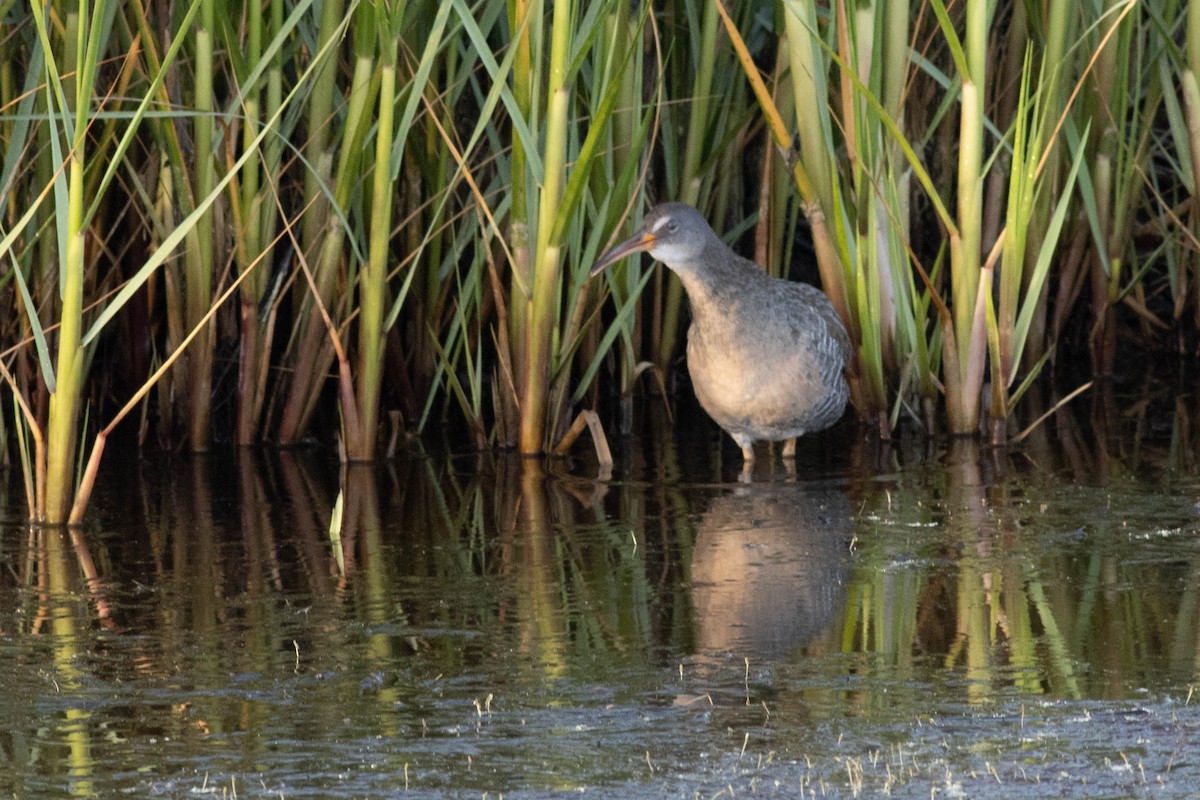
(919, 620)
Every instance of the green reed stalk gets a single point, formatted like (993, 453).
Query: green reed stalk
(44, 270)
(1189, 132)
(811, 91)
(248, 212)
(1192, 39)
(360, 443)
(62, 431)
(525, 24)
(884, 296)
(775, 232)
(376, 41)
(904, 341)
(49, 478)
(73, 113)
(586, 198)
(200, 263)
(547, 264)
(359, 422)
(963, 370)
(895, 22)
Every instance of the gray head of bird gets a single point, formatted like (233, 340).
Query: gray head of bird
(673, 233)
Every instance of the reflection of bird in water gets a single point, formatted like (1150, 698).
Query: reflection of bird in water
(769, 568)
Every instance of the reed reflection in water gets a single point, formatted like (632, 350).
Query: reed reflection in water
(506, 625)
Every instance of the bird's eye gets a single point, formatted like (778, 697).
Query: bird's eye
(672, 227)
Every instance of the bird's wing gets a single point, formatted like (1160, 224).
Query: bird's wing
(830, 324)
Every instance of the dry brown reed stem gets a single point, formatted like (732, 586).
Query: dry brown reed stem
(590, 420)
(1020, 437)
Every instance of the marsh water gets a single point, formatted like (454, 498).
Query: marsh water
(926, 618)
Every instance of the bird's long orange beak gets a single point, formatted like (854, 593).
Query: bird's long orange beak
(639, 243)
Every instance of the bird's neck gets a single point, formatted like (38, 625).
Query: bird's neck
(714, 276)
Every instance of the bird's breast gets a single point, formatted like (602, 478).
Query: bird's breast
(761, 373)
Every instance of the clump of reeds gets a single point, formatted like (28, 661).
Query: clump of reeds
(352, 208)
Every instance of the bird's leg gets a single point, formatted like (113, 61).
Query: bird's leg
(746, 443)
(789, 448)
(747, 446)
